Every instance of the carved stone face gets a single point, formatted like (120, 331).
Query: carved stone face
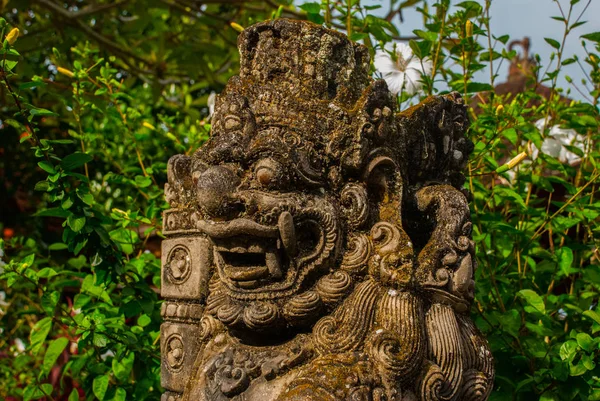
(271, 242)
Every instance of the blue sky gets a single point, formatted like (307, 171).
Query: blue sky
(520, 18)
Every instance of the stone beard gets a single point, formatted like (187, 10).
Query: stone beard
(319, 244)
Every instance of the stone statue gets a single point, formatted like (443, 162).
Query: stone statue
(319, 244)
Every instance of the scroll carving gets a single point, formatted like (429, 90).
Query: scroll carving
(319, 244)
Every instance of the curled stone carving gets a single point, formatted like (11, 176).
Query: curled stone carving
(175, 352)
(319, 244)
(358, 254)
(355, 204)
(178, 264)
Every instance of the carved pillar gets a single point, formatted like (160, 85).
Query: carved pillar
(186, 261)
(319, 244)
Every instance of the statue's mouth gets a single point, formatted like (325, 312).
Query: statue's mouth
(250, 254)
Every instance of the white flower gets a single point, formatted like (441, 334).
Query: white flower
(211, 103)
(403, 71)
(107, 354)
(554, 144)
(20, 345)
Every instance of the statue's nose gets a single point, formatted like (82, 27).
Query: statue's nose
(215, 188)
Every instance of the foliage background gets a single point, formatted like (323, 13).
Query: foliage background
(96, 95)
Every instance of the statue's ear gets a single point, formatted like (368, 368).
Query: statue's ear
(378, 195)
(384, 186)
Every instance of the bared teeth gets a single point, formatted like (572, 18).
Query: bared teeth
(273, 264)
(246, 274)
(287, 233)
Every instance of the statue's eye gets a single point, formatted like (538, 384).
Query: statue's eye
(270, 174)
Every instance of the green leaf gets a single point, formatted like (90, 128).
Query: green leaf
(49, 301)
(533, 299)
(38, 112)
(99, 386)
(46, 272)
(57, 246)
(585, 341)
(408, 3)
(568, 350)
(42, 186)
(473, 87)
(120, 395)
(47, 388)
(75, 160)
(125, 239)
(54, 350)
(144, 320)
(74, 396)
(53, 212)
(122, 368)
(595, 316)
(28, 260)
(31, 84)
(312, 8)
(32, 392)
(38, 334)
(565, 260)
(76, 223)
(594, 37)
(554, 43)
(86, 198)
(421, 48)
(100, 340)
(81, 300)
(142, 181)
(47, 167)
(427, 35)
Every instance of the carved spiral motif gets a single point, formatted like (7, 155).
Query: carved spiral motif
(386, 236)
(441, 277)
(230, 313)
(355, 204)
(362, 393)
(303, 306)
(346, 331)
(175, 352)
(357, 257)
(214, 284)
(209, 326)
(475, 386)
(463, 243)
(215, 301)
(233, 380)
(392, 262)
(260, 315)
(387, 348)
(179, 264)
(334, 286)
(444, 376)
(432, 384)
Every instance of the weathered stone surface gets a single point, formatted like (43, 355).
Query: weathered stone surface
(320, 243)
